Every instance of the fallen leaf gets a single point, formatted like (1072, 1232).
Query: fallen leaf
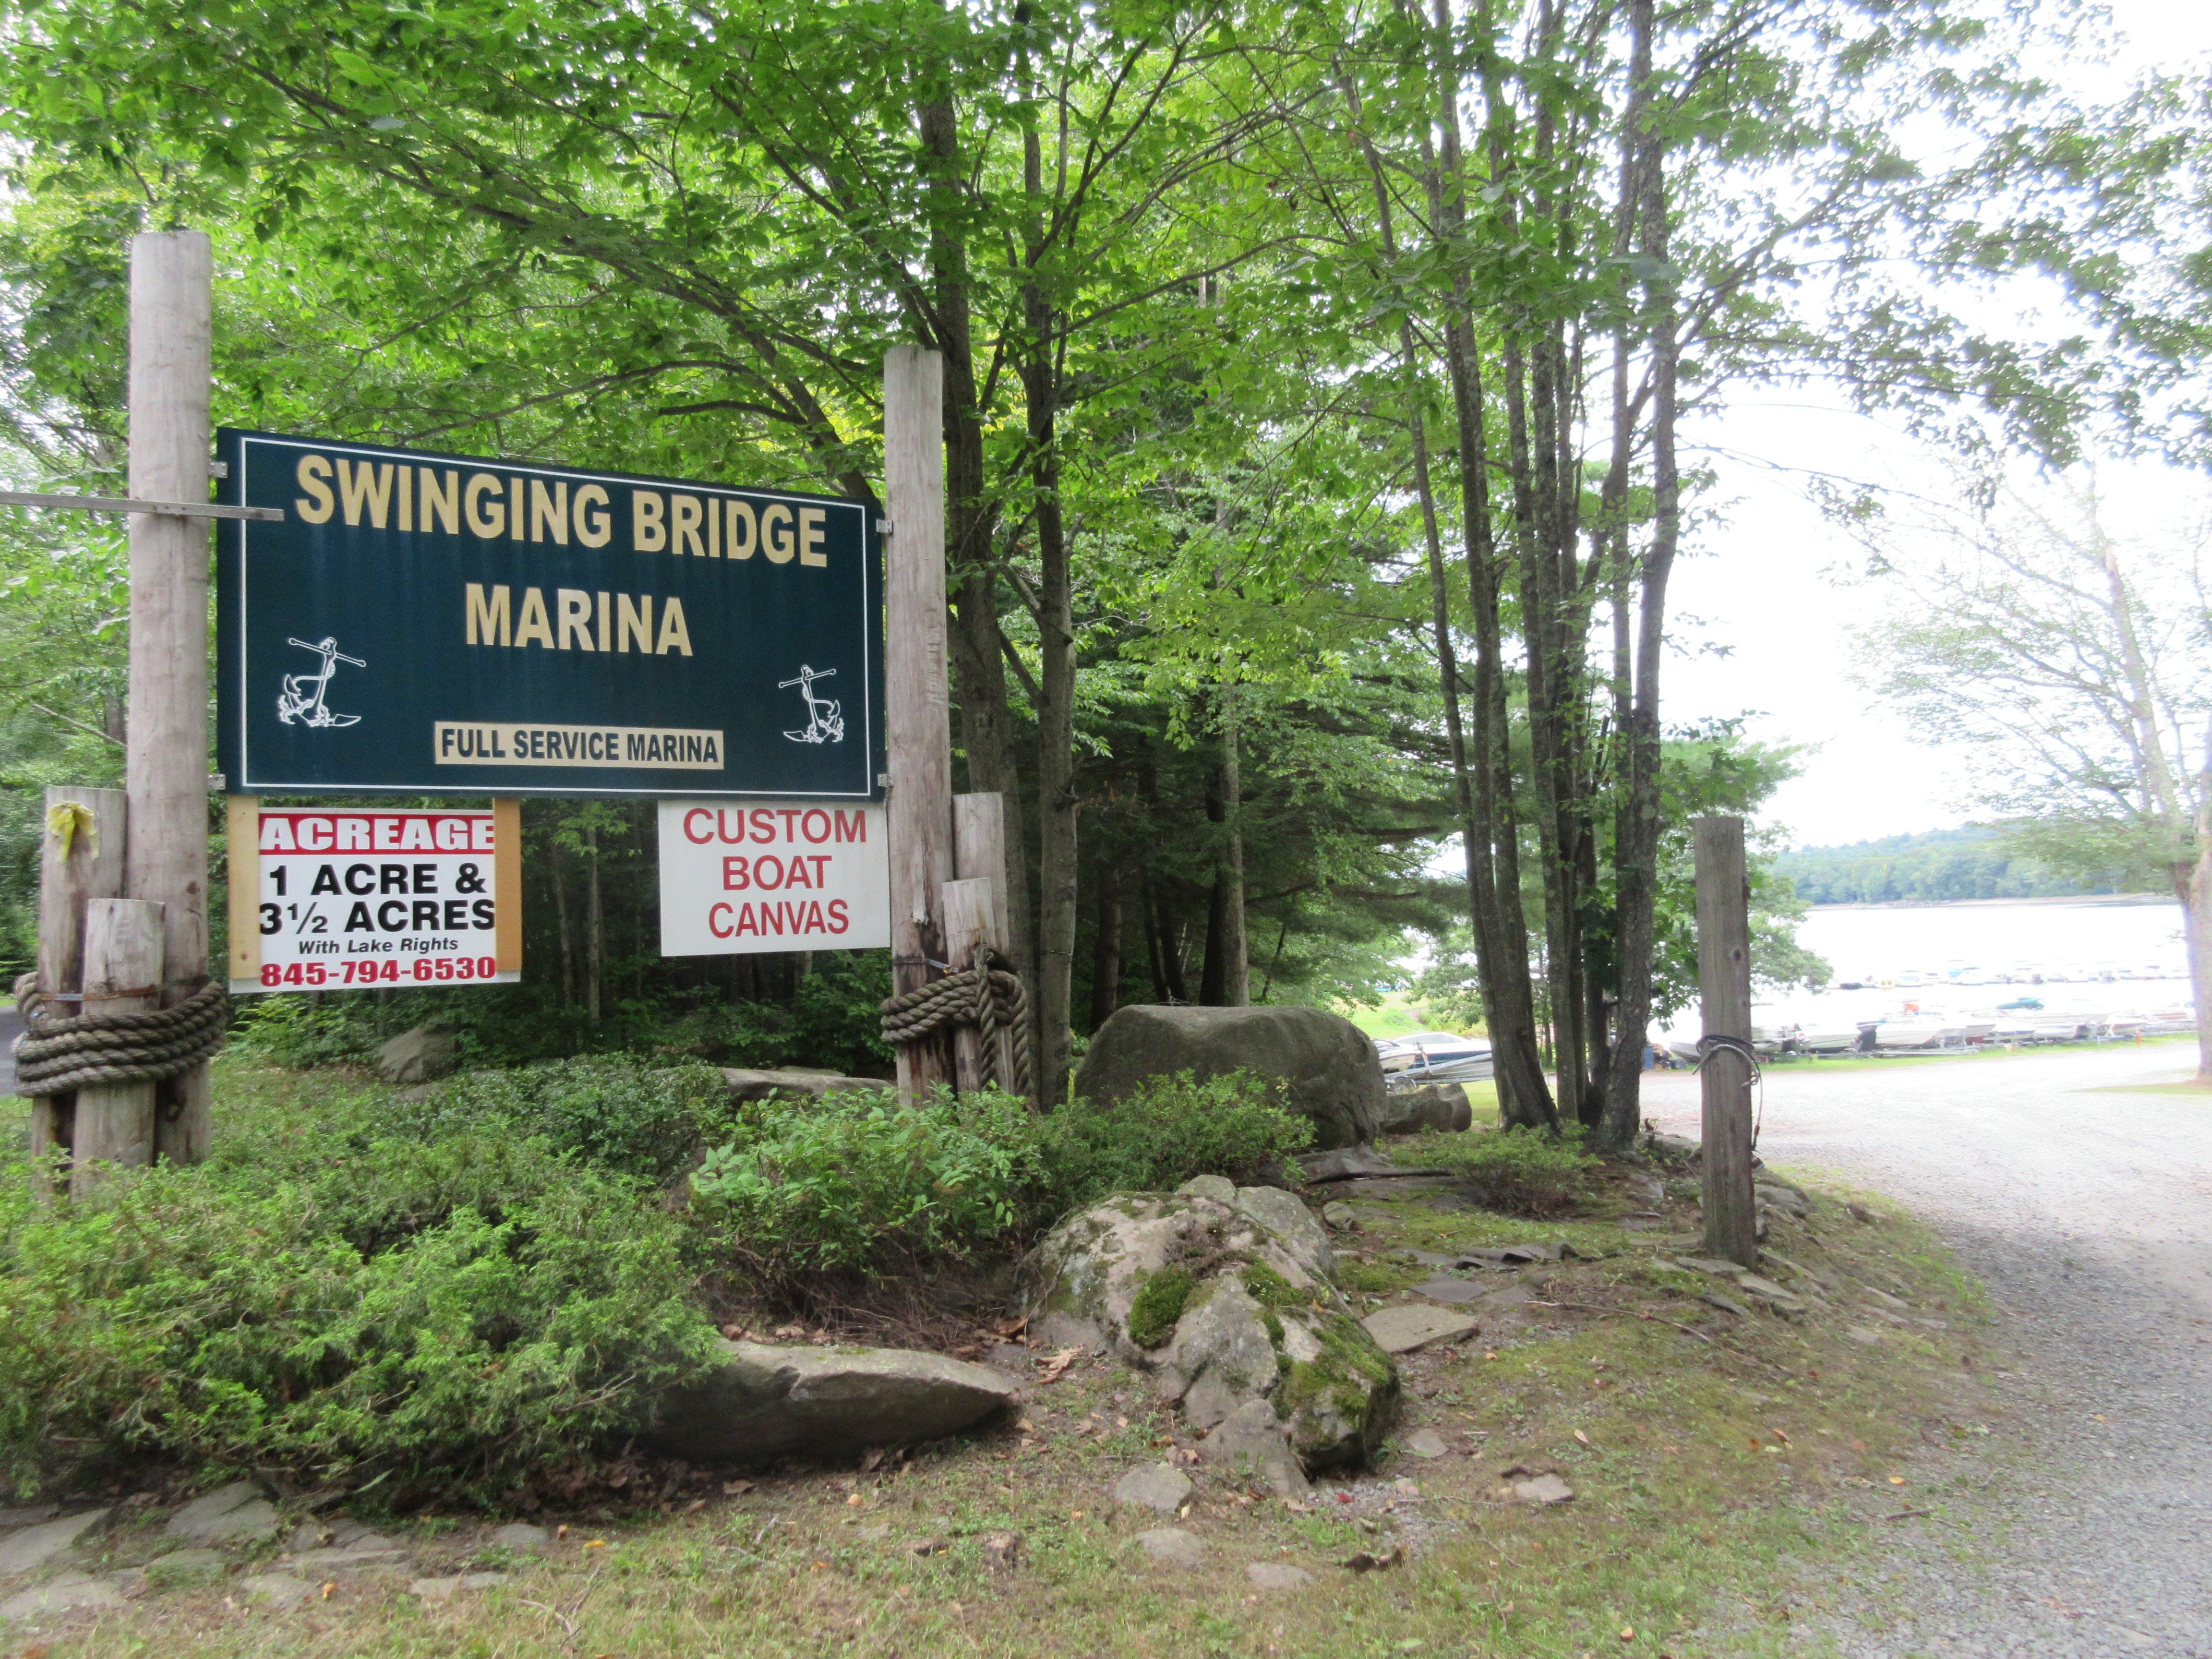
(329, 1584)
(1580, 1436)
(1013, 1326)
(1628, 1632)
(730, 1489)
(928, 1546)
(597, 1544)
(873, 1460)
(1784, 1438)
(1896, 1479)
(856, 1501)
(562, 1531)
(1056, 1367)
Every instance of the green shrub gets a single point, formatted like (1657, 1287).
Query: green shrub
(1520, 1171)
(632, 1115)
(858, 1181)
(218, 1316)
(1171, 1129)
(298, 1032)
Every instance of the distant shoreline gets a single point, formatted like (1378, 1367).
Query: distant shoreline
(2103, 900)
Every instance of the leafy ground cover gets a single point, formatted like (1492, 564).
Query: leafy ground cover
(1707, 1451)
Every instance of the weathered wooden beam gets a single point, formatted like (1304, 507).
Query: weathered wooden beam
(917, 714)
(80, 851)
(171, 302)
(114, 1122)
(1725, 1005)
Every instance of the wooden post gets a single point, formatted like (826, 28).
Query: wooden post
(979, 854)
(122, 949)
(242, 816)
(506, 882)
(917, 715)
(1724, 1005)
(970, 912)
(80, 858)
(166, 766)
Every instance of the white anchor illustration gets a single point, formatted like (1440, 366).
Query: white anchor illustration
(825, 723)
(295, 707)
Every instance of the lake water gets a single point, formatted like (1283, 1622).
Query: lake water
(1957, 952)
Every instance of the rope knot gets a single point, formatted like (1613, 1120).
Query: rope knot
(58, 1052)
(988, 996)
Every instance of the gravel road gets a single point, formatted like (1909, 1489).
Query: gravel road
(2088, 1214)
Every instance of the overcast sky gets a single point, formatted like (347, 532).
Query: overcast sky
(1757, 583)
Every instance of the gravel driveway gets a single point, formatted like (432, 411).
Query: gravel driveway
(2088, 1214)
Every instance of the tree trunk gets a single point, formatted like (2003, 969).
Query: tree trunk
(1106, 948)
(1235, 951)
(1500, 929)
(567, 932)
(1057, 805)
(595, 926)
(1636, 832)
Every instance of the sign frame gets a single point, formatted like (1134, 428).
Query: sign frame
(569, 750)
(242, 815)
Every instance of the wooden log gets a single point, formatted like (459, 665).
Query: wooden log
(917, 713)
(165, 765)
(1724, 1006)
(80, 858)
(122, 949)
(979, 854)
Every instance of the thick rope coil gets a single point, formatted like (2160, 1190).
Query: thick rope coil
(60, 1052)
(988, 996)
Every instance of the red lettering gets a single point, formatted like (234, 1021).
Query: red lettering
(797, 878)
(812, 923)
(691, 835)
(735, 878)
(838, 921)
(760, 872)
(806, 826)
(789, 813)
(818, 860)
(763, 823)
(722, 827)
(714, 923)
(745, 922)
(852, 827)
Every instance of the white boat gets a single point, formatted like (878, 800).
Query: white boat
(1438, 1058)
(1826, 1039)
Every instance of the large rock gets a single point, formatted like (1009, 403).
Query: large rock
(422, 1055)
(33, 1546)
(1429, 1106)
(1329, 1065)
(764, 1401)
(1222, 1304)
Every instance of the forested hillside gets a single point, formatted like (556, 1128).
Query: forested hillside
(1934, 867)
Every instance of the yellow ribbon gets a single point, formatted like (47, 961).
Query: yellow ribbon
(66, 820)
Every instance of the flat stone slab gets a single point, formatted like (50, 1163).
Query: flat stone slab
(279, 1590)
(29, 1515)
(1457, 1292)
(764, 1402)
(1155, 1486)
(1410, 1327)
(1426, 1442)
(33, 1547)
(445, 1590)
(1770, 1292)
(370, 1551)
(1276, 1576)
(1725, 1304)
(792, 1083)
(235, 1514)
(1173, 1546)
(522, 1538)
(1348, 1163)
(1543, 1489)
(72, 1594)
(1706, 1264)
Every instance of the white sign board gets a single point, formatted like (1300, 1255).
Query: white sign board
(802, 876)
(366, 897)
